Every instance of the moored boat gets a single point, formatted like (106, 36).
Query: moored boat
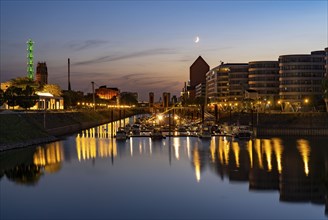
(121, 134)
(243, 132)
(156, 134)
(205, 132)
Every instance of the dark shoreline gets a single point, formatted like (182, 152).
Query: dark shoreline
(21, 129)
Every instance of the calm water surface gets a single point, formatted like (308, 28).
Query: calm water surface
(91, 176)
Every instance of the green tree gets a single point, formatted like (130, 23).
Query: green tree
(53, 89)
(27, 98)
(11, 94)
(22, 82)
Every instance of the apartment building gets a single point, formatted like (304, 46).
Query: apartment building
(300, 78)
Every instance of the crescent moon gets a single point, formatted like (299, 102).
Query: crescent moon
(197, 39)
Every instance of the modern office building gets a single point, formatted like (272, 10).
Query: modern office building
(41, 75)
(198, 72)
(292, 82)
(227, 82)
(211, 91)
(238, 80)
(200, 90)
(263, 77)
(300, 78)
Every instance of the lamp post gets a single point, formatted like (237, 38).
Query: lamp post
(279, 103)
(306, 101)
(93, 95)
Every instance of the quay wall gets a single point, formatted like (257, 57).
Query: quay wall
(281, 124)
(20, 129)
(262, 131)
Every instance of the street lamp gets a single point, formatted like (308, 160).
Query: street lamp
(306, 101)
(280, 103)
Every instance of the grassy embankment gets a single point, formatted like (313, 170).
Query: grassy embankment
(21, 129)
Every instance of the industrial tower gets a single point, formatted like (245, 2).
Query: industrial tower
(30, 71)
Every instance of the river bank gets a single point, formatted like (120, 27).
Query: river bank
(21, 129)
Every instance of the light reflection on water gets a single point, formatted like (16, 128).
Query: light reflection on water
(296, 169)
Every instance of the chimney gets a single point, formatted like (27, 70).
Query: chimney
(69, 75)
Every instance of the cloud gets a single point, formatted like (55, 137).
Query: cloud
(109, 58)
(77, 46)
(146, 82)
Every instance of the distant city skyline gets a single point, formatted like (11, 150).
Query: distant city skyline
(145, 46)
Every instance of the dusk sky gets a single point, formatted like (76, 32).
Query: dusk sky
(148, 46)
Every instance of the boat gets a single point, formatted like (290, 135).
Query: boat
(135, 129)
(205, 132)
(243, 132)
(156, 134)
(121, 134)
(182, 131)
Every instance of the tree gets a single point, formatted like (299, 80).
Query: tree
(2, 99)
(11, 94)
(22, 82)
(71, 98)
(53, 89)
(128, 99)
(27, 98)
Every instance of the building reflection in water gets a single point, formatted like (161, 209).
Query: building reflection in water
(88, 147)
(49, 156)
(196, 162)
(304, 149)
(278, 149)
(176, 146)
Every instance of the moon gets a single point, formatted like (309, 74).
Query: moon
(196, 39)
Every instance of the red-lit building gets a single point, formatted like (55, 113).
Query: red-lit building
(107, 93)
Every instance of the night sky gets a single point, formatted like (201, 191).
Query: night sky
(143, 46)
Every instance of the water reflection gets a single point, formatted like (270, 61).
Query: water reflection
(91, 148)
(297, 169)
(304, 149)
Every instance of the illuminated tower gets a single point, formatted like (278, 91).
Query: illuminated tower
(30, 71)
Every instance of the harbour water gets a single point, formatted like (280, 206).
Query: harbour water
(90, 175)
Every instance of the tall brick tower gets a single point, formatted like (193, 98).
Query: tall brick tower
(198, 72)
(41, 75)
